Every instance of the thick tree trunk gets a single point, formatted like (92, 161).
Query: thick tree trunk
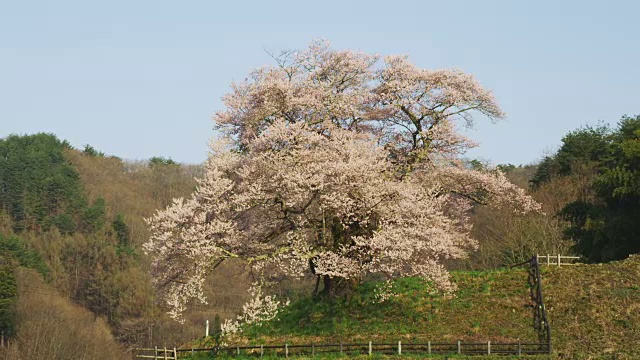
(315, 292)
(328, 285)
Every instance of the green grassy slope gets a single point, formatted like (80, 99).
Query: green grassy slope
(593, 310)
(413, 314)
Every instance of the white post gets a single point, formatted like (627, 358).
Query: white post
(488, 347)
(399, 347)
(459, 347)
(155, 356)
(175, 354)
(519, 349)
(548, 260)
(429, 347)
(206, 332)
(558, 259)
(165, 354)
(286, 350)
(370, 348)
(261, 350)
(238, 350)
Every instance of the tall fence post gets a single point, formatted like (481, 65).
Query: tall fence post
(544, 328)
(429, 347)
(286, 350)
(548, 260)
(175, 353)
(206, 331)
(489, 347)
(261, 350)
(340, 347)
(370, 348)
(313, 350)
(459, 348)
(558, 259)
(519, 349)
(165, 354)
(399, 347)
(155, 355)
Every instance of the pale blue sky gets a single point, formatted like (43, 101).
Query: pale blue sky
(142, 78)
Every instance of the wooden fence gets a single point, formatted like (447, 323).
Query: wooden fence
(370, 348)
(557, 259)
(156, 353)
(540, 321)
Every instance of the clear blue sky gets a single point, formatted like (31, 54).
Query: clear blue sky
(142, 78)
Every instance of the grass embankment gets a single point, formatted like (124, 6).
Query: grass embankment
(487, 306)
(594, 310)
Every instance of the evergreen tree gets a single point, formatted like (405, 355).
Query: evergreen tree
(39, 186)
(604, 222)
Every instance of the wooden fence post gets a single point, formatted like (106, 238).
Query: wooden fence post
(261, 350)
(175, 353)
(155, 356)
(340, 347)
(489, 347)
(206, 331)
(459, 348)
(165, 354)
(313, 350)
(286, 350)
(370, 348)
(519, 349)
(238, 350)
(399, 347)
(429, 347)
(558, 259)
(548, 260)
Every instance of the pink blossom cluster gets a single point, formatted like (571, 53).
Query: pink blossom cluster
(258, 309)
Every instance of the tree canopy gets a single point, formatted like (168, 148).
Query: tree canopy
(335, 167)
(603, 220)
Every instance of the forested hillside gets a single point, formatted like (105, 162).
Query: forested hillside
(77, 218)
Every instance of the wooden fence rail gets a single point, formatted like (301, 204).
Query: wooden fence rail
(156, 353)
(557, 259)
(370, 348)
